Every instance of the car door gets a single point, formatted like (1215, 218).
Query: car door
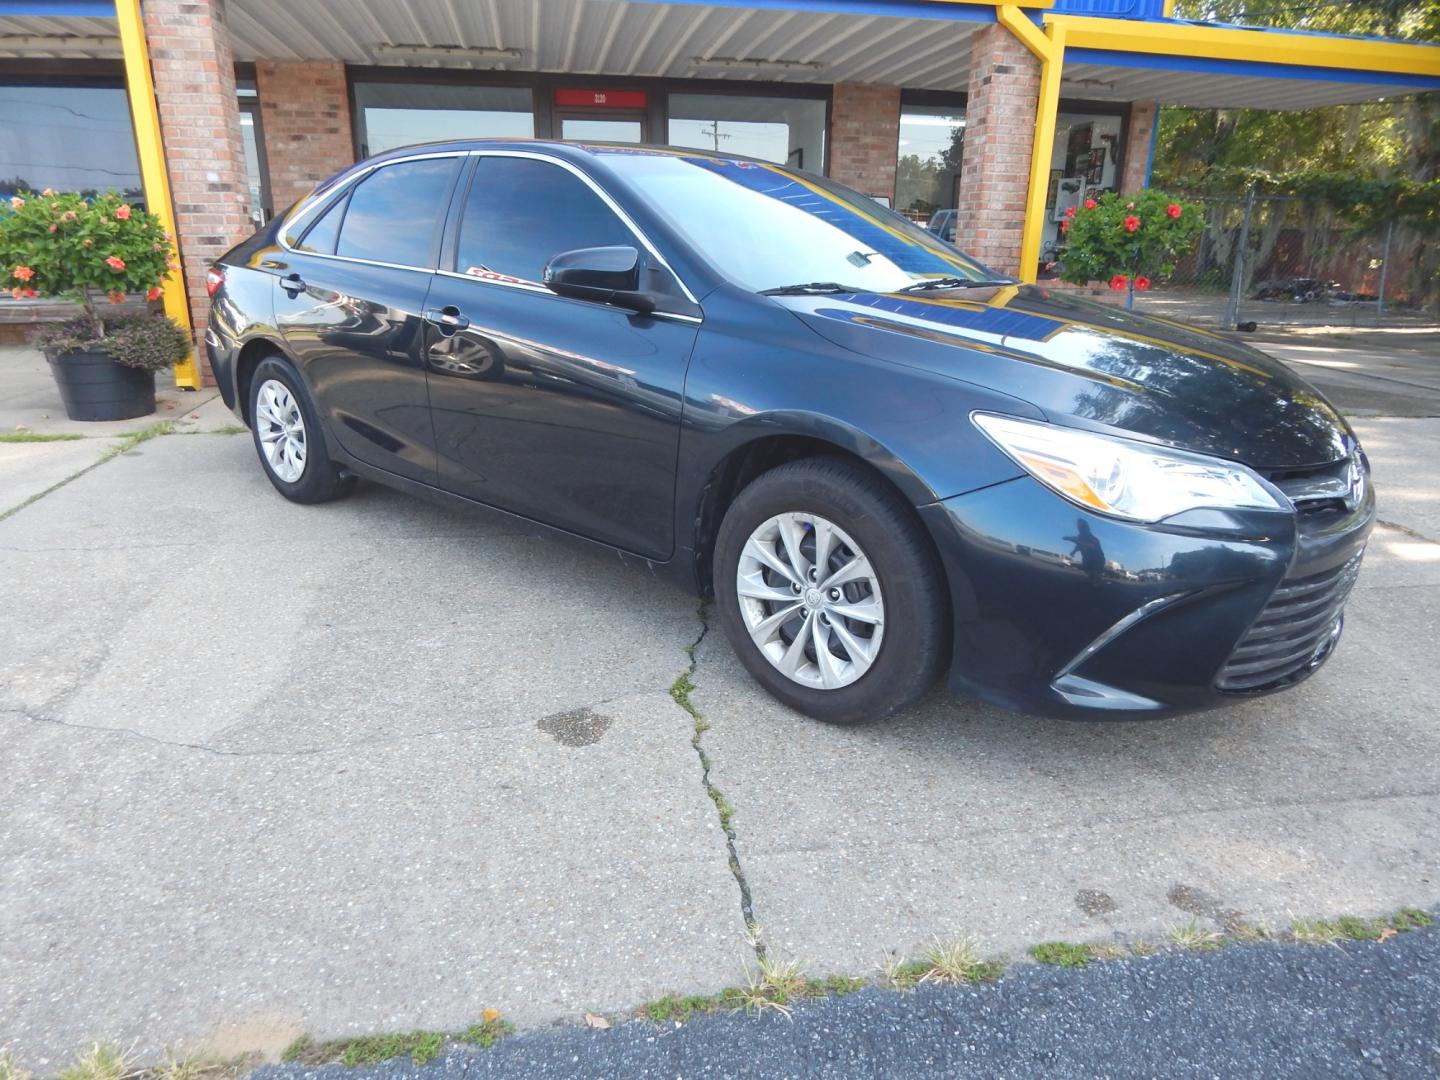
(565, 411)
(349, 298)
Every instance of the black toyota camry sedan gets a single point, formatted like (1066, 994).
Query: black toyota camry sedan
(885, 462)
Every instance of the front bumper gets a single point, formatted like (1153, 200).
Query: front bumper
(1065, 613)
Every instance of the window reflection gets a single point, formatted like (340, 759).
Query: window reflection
(932, 139)
(402, 114)
(70, 138)
(787, 131)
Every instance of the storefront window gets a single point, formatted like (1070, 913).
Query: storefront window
(932, 138)
(787, 131)
(401, 114)
(1084, 163)
(70, 138)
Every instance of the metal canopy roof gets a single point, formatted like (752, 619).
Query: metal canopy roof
(923, 45)
(616, 38)
(1105, 77)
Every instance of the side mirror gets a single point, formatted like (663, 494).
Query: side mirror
(606, 275)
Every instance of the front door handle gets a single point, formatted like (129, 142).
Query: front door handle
(293, 285)
(448, 319)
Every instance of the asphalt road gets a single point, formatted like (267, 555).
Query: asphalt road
(1359, 1010)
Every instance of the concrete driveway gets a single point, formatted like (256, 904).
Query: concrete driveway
(374, 765)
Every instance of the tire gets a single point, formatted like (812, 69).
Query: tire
(277, 392)
(857, 513)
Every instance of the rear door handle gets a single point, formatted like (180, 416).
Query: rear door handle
(447, 318)
(292, 284)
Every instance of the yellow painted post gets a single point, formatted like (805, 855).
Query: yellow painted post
(146, 119)
(1049, 47)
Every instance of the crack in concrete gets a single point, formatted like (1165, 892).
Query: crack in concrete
(1414, 534)
(681, 690)
(125, 443)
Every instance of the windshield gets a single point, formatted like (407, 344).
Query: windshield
(766, 227)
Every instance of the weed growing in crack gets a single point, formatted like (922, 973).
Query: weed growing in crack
(681, 690)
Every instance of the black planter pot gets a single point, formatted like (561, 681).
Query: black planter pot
(95, 387)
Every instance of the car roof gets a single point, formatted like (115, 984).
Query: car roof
(560, 147)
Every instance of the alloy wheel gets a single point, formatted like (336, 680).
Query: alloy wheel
(281, 429)
(811, 600)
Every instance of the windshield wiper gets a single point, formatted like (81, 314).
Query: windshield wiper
(956, 283)
(807, 287)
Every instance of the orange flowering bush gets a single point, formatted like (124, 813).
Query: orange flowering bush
(1126, 240)
(54, 244)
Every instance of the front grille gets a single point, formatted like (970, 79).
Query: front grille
(1293, 633)
(1338, 485)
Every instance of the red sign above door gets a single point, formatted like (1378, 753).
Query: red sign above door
(600, 99)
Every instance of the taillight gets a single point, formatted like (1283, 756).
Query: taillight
(214, 278)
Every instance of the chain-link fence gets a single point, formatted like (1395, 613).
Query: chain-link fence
(1277, 259)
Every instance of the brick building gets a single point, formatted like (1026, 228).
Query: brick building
(221, 113)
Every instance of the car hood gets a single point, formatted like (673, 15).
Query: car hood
(1089, 365)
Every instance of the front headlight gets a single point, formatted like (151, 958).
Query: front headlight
(1122, 477)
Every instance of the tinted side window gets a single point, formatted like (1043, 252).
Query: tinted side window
(520, 212)
(320, 237)
(394, 211)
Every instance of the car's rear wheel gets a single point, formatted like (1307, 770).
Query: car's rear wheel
(830, 592)
(288, 437)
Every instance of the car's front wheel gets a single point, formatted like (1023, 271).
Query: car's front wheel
(830, 592)
(288, 438)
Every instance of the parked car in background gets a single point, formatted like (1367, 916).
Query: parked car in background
(942, 224)
(883, 460)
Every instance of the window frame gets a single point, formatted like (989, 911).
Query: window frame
(323, 201)
(450, 246)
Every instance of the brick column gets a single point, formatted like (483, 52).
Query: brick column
(1144, 115)
(999, 129)
(194, 76)
(865, 137)
(305, 107)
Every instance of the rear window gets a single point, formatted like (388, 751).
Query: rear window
(395, 213)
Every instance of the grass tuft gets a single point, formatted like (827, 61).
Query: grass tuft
(955, 962)
(298, 1049)
(677, 1009)
(1193, 936)
(181, 1066)
(840, 985)
(491, 1029)
(10, 1071)
(420, 1046)
(101, 1062)
(775, 984)
(38, 436)
(1409, 918)
(1061, 954)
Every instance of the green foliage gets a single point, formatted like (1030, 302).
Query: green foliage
(62, 244)
(1127, 239)
(1061, 954)
(147, 342)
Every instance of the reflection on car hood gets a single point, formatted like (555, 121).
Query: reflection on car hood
(1089, 365)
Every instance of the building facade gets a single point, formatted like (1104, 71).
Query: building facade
(988, 120)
